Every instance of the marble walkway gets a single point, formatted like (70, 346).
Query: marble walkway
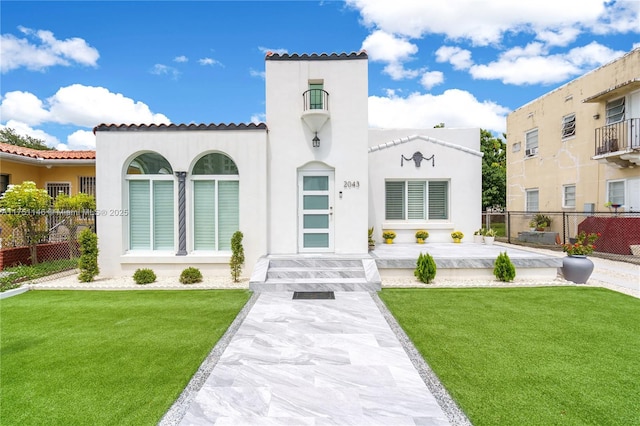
(314, 362)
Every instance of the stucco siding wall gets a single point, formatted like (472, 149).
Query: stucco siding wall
(182, 149)
(343, 147)
(567, 161)
(461, 168)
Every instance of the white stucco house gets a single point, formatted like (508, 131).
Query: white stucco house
(311, 180)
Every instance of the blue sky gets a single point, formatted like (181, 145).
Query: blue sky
(69, 66)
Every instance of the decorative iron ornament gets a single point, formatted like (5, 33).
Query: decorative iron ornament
(417, 158)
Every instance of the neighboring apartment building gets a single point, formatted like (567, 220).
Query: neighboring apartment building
(66, 172)
(578, 147)
(310, 180)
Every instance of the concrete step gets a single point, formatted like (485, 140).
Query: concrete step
(322, 263)
(304, 273)
(349, 272)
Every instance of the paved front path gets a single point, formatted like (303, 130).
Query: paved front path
(314, 362)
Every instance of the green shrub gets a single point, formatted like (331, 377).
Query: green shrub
(144, 276)
(503, 268)
(425, 268)
(88, 262)
(237, 256)
(191, 275)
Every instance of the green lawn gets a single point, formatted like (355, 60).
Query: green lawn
(105, 357)
(529, 356)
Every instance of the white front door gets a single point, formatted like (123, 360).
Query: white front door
(315, 211)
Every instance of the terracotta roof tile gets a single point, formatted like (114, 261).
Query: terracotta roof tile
(175, 127)
(47, 155)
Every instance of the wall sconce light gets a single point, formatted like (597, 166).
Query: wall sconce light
(596, 116)
(316, 141)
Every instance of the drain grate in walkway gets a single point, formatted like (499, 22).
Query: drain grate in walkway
(313, 295)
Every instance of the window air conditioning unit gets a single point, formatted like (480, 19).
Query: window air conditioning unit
(531, 152)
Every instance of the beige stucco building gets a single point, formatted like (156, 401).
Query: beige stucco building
(578, 147)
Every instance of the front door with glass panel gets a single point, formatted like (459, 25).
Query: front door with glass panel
(315, 211)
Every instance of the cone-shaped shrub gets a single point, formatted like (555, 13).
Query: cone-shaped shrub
(425, 268)
(503, 268)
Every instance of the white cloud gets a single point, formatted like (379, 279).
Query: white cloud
(77, 105)
(208, 61)
(256, 73)
(387, 48)
(24, 129)
(160, 69)
(181, 59)
(89, 106)
(24, 107)
(45, 51)
(266, 50)
(558, 37)
(532, 64)
(81, 140)
(486, 22)
(258, 118)
(456, 56)
(455, 108)
(431, 78)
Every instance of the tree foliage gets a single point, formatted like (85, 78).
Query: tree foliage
(71, 209)
(494, 170)
(8, 135)
(26, 206)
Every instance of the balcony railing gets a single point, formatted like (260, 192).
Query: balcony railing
(620, 136)
(315, 99)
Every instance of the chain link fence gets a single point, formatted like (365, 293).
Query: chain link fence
(35, 245)
(619, 231)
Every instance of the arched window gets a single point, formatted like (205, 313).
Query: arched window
(151, 203)
(215, 202)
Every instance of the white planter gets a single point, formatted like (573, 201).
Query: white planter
(477, 239)
(489, 240)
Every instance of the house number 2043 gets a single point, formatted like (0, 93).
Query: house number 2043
(351, 184)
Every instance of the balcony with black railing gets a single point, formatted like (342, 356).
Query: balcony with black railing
(619, 143)
(315, 108)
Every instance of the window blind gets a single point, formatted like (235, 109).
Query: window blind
(416, 198)
(204, 215)
(139, 215)
(394, 200)
(438, 200)
(228, 212)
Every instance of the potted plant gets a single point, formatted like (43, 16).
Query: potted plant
(542, 221)
(457, 236)
(477, 236)
(532, 225)
(576, 266)
(421, 235)
(388, 236)
(372, 242)
(489, 236)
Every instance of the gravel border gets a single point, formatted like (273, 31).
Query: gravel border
(179, 408)
(454, 414)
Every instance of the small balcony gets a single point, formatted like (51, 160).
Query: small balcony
(619, 143)
(315, 108)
